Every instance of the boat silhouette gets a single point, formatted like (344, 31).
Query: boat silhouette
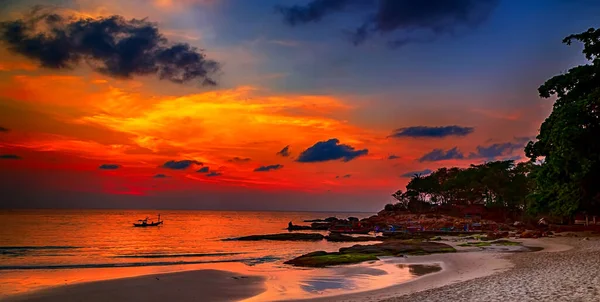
(145, 223)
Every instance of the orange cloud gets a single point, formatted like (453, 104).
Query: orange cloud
(211, 127)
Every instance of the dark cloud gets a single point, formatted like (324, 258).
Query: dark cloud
(160, 176)
(180, 165)
(268, 168)
(239, 160)
(285, 152)
(203, 170)
(412, 21)
(314, 11)
(9, 156)
(440, 154)
(345, 176)
(213, 174)
(2, 129)
(432, 132)
(113, 46)
(109, 167)
(393, 156)
(500, 149)
(413, 173)
(330, 150)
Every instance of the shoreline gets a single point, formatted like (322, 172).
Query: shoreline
(224, 285)
(566, 270)
(456, 267)
(459, 267)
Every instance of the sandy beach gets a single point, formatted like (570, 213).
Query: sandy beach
(568, 269)
(201, 285)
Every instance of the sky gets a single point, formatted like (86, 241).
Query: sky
(312, 105)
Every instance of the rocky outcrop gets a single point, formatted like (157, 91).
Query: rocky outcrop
(338, 237)
(361, 253)
(292, 227)
(428, 221)
(323, 259)
(283, 237)
(400, 247)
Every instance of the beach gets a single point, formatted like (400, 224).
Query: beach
(565, 270)
(568, 269)
(190, 256)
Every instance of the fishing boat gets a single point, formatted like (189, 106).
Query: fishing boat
(145, 223)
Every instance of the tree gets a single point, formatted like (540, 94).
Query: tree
(569, 138)
(498, 184)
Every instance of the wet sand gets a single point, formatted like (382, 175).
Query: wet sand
(568, 269)
(201, 285)
(456, 267)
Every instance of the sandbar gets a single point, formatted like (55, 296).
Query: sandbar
(200, 285)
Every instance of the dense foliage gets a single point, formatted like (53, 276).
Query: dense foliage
(569, 139)
(494, 184)
(568, 179)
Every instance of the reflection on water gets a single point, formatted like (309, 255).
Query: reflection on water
(295, 283)
(421, 269)
(41, 249)
(45, 248)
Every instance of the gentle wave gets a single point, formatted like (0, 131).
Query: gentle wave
(248, 261)
(175, 255)
(48, 247)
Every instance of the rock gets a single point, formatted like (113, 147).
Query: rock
(405, 235)
(320, 225)
(338, 237)
(298, 227)
(283, 237)
(398, 247)
(585, 238)
(531, 234)
(517, 223)
(323, 259)
(360, 253)
(495, 236)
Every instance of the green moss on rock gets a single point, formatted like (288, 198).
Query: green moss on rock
(323, 259)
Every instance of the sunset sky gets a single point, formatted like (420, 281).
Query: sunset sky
(265, 104)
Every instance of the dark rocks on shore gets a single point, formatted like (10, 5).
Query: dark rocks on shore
(400, 247)
(361, 253)
(333, 237)
(328, 219)
(323, 259)
(283, 237)
(324, 226)
(338, 237)
(293, 227)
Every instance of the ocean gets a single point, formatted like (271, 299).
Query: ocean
(45, 248)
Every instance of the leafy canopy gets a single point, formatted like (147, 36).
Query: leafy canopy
(569, 139)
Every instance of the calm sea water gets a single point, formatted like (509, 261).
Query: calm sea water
(41, 248)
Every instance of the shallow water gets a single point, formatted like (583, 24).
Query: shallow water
(40, 249)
